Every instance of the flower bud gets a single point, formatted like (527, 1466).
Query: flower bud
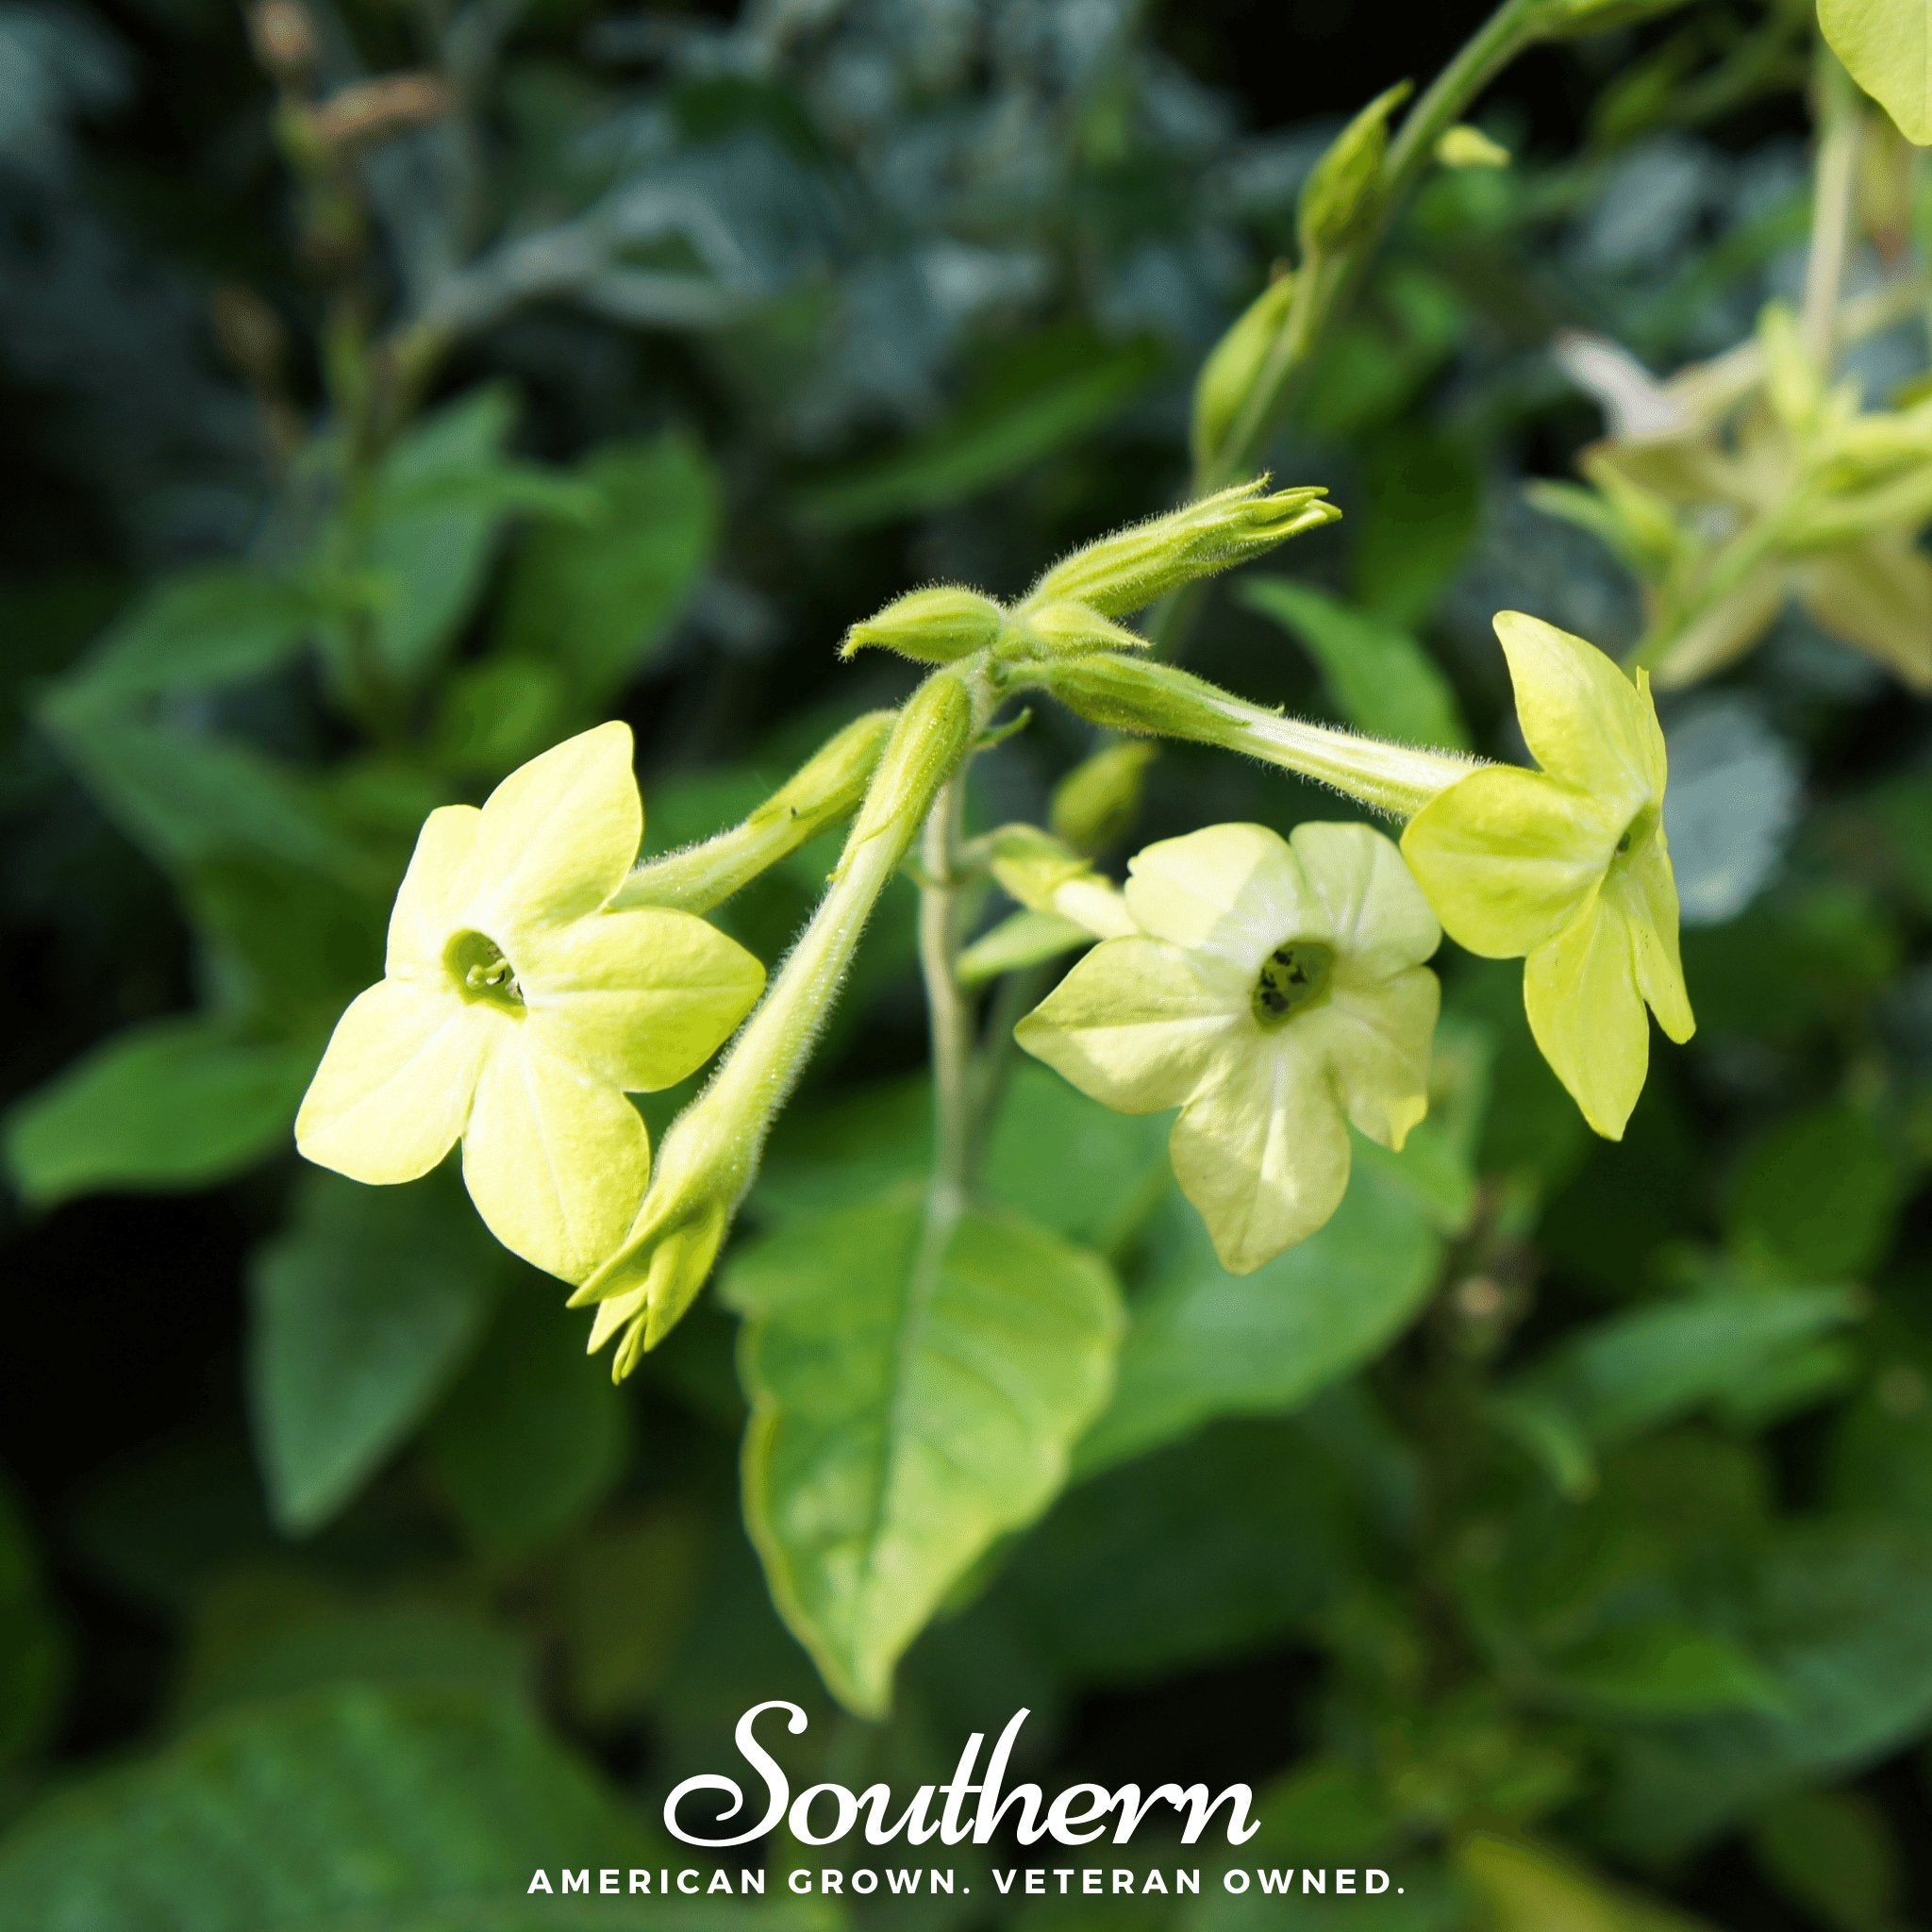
(824, 790)
(931, 627)
(283, 37)
(1344, 189)
(1463, 146)
(1233, 366)
(1095, 802)
(1031, 865)
(1133, 567)
(1063, 628)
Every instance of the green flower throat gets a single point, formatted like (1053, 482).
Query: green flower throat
(1293, 978)
(481, 972)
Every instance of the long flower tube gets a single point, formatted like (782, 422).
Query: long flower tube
(710, 1153)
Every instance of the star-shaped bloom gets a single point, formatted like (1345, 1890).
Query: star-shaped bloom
(1275, 991)
(517, 1012)
(1568, 868)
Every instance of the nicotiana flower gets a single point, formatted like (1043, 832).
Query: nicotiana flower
(517, 1011)
(1275, 991)
(1567, 866)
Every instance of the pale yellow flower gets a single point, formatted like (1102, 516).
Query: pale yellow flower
(1568, 867)
(516, 1011)
(1274, 993)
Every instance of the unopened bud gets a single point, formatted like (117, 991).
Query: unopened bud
(372, 112)
(1233, 367)
(1133, 567)
(1063, 628)
(1043, 875)
(1031, 865)
(931, 627)
(1463, 146)
(1097, 803)
(1342, 192)
(284, 40)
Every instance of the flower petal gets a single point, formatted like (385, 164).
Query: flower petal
(429, 902)
(1582, 719)
(1138, 1024)
(1378, 918)
(1236, 890)
(1878, 596)
(1507, 858)
(1580, 990)
(1644, 889)
(1376, 1043)
(394, 1089)
(642, 998)
(555, 837)
(555, 1160)
(1264, 1155)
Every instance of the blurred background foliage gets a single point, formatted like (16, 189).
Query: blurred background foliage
(398, 390)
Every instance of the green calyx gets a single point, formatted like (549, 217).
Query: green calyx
(1293, 978)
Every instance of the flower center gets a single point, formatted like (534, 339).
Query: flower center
(475, 962)
(1638, 830)
(1294, 976)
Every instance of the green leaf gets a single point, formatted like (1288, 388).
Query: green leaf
(1527, 1888)
(1664, 1670)
(913, 1397)
(262, 1633)
(1381, 680)
(343, 1812)
(1835, 1855)
(1201, 1343)
(1887, 48)
(33, 1658)
(597, 598)
(1639, 1371)
(1058, 1157)
(1054, 394)
(1422, 504)
(532, 1438)
(1818, 1193)
(1840, 1618)
(205, 628)
(362, 1312)
(1214, 1547)
(174, 1104)
(186, 800)
(439, 500)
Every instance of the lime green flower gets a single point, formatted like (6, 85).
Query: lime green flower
(1274, 991)
(517, 1012)
(1568, 867)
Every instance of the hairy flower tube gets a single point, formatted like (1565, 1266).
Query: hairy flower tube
(712, 1151)
(1566, 866)
(517, 1011)
(1569, 867)
(1275, 991)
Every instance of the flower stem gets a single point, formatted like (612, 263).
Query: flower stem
(1833, 185)
(949, 1010)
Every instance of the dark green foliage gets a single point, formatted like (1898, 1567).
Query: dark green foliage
(1553, 1529)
